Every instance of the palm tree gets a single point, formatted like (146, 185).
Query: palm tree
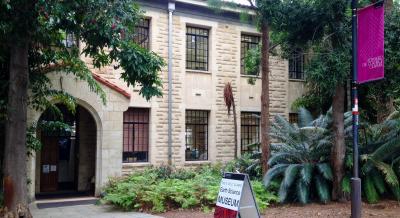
(301, 158)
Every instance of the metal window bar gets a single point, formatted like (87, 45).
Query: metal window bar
(142, 33)
(249, 131)
(196, 135)
(197, 48)
(296, 66)
(247, 42)
(136, 135)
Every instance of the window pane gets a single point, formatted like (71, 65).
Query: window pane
(136, 135)
(196, 48)
(196, 135)
(249, 131)
(142, 32)
(247, 42)
(296, 66)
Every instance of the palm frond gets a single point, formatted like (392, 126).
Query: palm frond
(323, 189)
(387, 171)
(302, 192)
(325, 170)
(378, 181)
(306, 173)
(370, 192)
(276, 170)
(290, 175)
(305, 117)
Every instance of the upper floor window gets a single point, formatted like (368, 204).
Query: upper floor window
(136, 135)
(197, 48)
(196, 135)
(142, 33)
(247, 42)
(249, 132)
(296, 66)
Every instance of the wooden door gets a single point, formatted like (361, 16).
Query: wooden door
(49, 164)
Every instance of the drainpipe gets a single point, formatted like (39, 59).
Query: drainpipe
(171, 9)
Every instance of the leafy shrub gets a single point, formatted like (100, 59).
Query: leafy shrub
(158, 189)
(301, 159)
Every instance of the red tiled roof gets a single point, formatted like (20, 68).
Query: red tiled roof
(112, 85)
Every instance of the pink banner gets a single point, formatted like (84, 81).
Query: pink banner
(371, 41)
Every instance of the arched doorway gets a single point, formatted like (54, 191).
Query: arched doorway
(67, 161)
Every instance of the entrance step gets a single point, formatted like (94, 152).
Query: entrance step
(65, 202)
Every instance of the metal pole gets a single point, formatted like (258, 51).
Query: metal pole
(355, 180)
(171, 9)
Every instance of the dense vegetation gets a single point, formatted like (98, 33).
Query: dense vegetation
(158, 189)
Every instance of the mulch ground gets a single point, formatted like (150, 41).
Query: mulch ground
(382, 209)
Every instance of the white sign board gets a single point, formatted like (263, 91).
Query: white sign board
(230, 193)
(236, 198)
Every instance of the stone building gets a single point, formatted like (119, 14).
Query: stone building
(207, 51)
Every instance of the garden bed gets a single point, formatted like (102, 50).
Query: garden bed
(382, 209)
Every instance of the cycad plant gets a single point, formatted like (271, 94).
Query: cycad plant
(380, 159)
(300, 159)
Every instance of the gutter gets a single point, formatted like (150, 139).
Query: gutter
(171, 9)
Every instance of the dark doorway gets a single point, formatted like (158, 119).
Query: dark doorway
(67, 157)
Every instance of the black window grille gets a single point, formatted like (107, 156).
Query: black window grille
(196, 48)
(136, 135)
(293, 117)
(248, 42)
(142, 33)
(196, 135)
(296, 66)
(249, 132)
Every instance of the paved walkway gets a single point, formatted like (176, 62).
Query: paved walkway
(84, 211)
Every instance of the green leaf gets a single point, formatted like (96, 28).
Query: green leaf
(323, 189)
(306, 173)
(302, 192)
(370, 191)
(325, 170)
(276, 170)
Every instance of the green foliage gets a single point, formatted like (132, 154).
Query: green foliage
(163, 188)
(301, 158)
(379, 151)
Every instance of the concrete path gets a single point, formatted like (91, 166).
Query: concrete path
(85, 211)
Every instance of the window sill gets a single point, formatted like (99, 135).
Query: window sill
(197, 162)
(138, 164)
(250, 76)
(198, 71)
(297, 80)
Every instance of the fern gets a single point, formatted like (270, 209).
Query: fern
(325, 170)
(303, 192)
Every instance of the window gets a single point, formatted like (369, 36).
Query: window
(247, 42)
(196, 135)
(196, 48)
(293, 118)
(136, 135)
(142, 32)
(296, 66)
(249, 131)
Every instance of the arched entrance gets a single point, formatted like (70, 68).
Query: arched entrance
(67, 161)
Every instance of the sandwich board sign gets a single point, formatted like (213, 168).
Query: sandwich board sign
(236, 198)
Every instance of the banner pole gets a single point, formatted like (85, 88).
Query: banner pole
(355, 180)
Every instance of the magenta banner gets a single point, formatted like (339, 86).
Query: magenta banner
(370, 52)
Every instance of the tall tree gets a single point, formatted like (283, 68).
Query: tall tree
(321, 28)
(31, 45)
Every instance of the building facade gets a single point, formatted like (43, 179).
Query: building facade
(127, 133)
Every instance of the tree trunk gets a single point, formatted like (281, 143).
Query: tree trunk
(15, 175)
(265, 96)
(235, 126)
(339, 147)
